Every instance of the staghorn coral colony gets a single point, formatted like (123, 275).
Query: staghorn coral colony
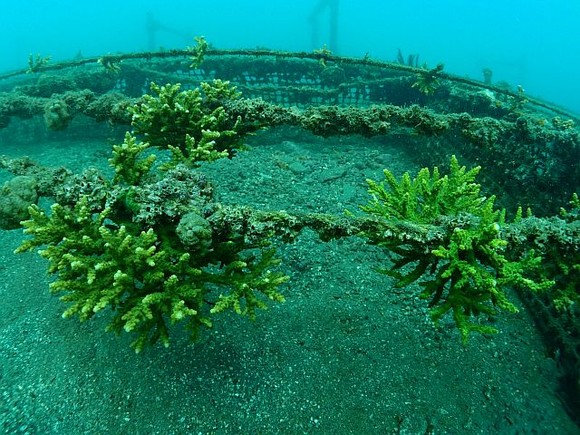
(467, 271)
(140, 243)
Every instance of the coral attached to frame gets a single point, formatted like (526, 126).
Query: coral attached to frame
(467, 274)
(141, 243)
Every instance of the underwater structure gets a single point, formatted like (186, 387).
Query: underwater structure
(495, 208)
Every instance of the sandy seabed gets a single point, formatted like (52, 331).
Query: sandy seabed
(345, 354)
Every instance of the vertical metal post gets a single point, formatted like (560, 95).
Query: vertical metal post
(321, 6)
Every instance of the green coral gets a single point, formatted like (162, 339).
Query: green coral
(250, 282)
(198, 52)
(145, 249)
(425, 198)
(192, 124)
(128, 162)
(35, 63)
(100, 265)
(466, 273)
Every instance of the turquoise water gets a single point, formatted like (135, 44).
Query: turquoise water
(528, 43)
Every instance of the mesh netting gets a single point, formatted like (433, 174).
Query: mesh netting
(529, 148)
